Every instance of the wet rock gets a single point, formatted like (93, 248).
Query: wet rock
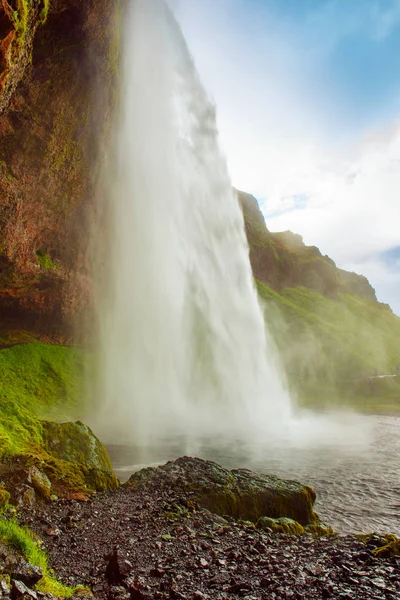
(319, 530)
(118, 567)
(24, 495)
(27, 573)
(281, 525)
(4, 588)
(118, 592)
(239, 493)
(20, 590)
(238, 587)
(390, 548)
(150, 556)
(40, 482)
(76, 443)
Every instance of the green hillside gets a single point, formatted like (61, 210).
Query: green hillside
(335, 339)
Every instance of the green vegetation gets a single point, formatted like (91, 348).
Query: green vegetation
(45, 11)
(20, 18)
(44, 381)
(37, 381)
(45, 261)
(332, 348)
(22, 540)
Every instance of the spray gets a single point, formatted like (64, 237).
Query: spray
(183, 345)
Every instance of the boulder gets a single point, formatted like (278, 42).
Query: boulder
(238, 493)
(40, 482)
(75, 443)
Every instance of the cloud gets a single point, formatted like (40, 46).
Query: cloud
(291, 132)
(352, 209)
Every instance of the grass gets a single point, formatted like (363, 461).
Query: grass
(332, 347)
(38, 380)
(23, 541)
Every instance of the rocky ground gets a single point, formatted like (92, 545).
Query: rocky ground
(156, 541)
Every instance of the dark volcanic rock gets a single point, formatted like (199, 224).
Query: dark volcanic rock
(154, 541)
(239, 493)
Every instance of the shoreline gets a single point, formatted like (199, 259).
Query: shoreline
(153, 539)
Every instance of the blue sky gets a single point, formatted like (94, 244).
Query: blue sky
(308, 101)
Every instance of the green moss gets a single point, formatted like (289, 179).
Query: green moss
(45, 261)
(319, 530)
(45, 11)
(281, 525)
(76, 443)
(392, 548)
(38, 381)
(45, 381)
(239, 493)
(23, 541)
(4, 498)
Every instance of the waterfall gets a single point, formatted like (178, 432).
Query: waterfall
(183, 348)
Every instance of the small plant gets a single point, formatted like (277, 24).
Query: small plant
(45, 261)
(22, 540)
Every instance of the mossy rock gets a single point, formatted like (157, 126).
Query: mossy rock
(239, 493)
(281, 525)
(75, 443)
(388, 549)
(319, 530)
(4, 497)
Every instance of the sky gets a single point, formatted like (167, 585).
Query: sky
(308, 104)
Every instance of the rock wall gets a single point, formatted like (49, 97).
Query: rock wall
(49, 143)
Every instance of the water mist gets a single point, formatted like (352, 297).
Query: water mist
(183, 349)
(183, 346)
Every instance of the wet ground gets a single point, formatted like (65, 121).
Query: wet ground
(156, 543)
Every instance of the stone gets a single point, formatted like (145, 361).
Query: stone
(281, 525)
(4, 588)
(238, 493)
(20, 590)
(76, 443)
(118, 567)
(27, 573)
(40, 482)
(319, 530)
(25, 495)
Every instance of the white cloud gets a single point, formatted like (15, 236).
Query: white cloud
(338, 188)
(352, 210)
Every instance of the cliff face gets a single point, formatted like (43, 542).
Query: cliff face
(58, 85)
(282, 260)
(49, 131)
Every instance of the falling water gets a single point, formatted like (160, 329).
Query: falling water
(183, 345)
